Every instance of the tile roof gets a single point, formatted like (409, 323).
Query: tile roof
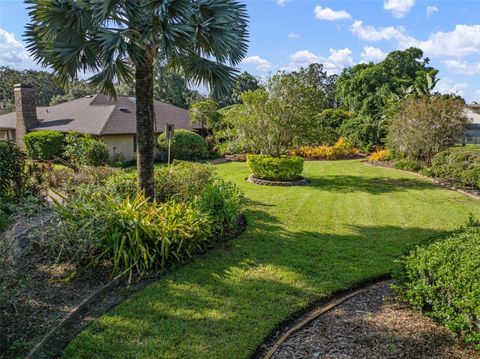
(99, 115)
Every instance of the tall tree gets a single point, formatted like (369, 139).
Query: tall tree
(243, 83)
(120, 39)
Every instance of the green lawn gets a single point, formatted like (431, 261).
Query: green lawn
(301, 244)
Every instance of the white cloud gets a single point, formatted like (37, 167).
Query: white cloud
(477, 96)
(448, 86)
(282, 2)
(334, 63)
(259, 62)
(293, 36)
(373, 34)
(372, 54)
(431, 9)
(462, 67)
(398, 7)
(304, 58)
(13, 53)
(462, 41)
(329, 14)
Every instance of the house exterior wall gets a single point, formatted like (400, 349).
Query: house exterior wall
(120, 144)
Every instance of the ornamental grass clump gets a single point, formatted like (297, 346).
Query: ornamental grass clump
(443, 280)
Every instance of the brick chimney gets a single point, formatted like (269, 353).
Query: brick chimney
(26, 110)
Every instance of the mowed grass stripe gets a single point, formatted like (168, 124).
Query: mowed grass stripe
(301, 244)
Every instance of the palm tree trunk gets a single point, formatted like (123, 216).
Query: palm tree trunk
(145, 126)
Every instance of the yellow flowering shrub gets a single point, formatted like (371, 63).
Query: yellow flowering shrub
(341, 149)
(380, 156)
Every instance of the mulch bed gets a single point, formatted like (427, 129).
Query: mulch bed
(302, 181)
(374, 325)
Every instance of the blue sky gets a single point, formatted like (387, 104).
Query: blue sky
(287, 34)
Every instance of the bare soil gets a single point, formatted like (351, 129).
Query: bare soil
(374, 325)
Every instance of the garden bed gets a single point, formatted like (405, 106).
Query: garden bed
(39, 309)
(373, 325)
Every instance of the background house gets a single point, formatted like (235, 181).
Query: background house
(472, 135)
(112, 121)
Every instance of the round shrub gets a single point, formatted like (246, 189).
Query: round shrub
(443, 279)
(44, 145)
(85, 150)
(186, 145)
(284, 168)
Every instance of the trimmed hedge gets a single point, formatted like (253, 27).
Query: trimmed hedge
(443, 279)
(459, 165)
(44, 145)
(186, 145)
(284, 168)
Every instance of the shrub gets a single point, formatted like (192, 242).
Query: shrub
(363, 132)
(84, 150)
(326, 126)
(136, 235)
(459, 165)
(44, 145)
(425, 126)
(186, 145)
(64, 178)
(341, 149)
(193, 209)
(380, 156)
(443, 279)
(12, 163)
(284, 168)
(408, 165)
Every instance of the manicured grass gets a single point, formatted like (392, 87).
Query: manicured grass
(301, 244)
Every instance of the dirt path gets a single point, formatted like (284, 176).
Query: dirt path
(373, 325)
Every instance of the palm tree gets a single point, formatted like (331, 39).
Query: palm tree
(119, 40)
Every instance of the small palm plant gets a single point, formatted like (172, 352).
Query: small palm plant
(118, 41)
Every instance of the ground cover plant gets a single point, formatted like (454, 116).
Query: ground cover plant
(340, 150)
(443, 280)
(300, 245)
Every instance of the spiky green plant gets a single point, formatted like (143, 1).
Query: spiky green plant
(119, 40)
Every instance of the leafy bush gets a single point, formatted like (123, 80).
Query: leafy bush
(192, 210)
(326, 126)
(341, 149)
(186, 145)
(84, 150)
(44, 145)
(12, 163)
(459, 165)
(380, 156)
(364, 132)
(408, 165)
(284, 168)
(443, 279)
(425, 126)
(136, 235)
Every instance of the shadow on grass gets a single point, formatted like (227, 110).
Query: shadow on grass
(225, 303)
(373, 185)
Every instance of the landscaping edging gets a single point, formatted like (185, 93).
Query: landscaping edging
(300, 182)
(303, 316)
(99, 302)
(436, 182)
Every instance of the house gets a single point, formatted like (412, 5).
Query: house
(114, 122)
(472, 134)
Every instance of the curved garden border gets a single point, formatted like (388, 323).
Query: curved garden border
(302, 181)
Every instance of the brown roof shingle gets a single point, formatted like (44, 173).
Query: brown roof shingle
(99, 115)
